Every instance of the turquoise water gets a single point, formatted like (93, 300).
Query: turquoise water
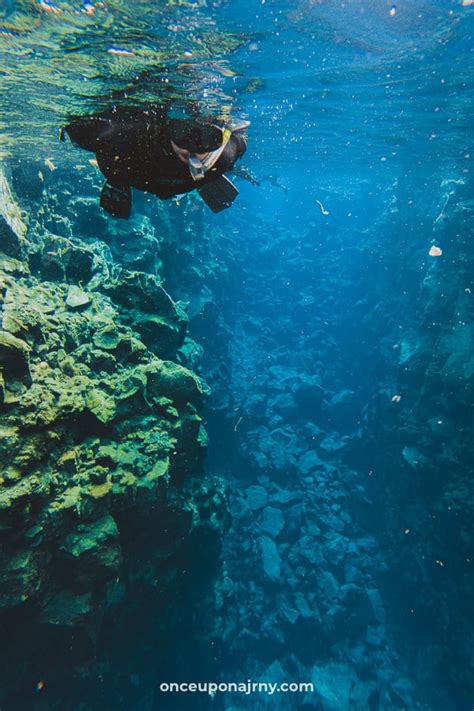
(327, 534)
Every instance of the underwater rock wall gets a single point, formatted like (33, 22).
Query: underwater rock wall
(424, 424)
(101, 439)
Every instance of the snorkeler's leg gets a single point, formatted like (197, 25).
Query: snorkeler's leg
(116, 200)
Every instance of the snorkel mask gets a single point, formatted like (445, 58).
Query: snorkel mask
(207, 138)
(196, 167)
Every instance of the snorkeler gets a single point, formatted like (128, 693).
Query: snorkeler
(145, 149)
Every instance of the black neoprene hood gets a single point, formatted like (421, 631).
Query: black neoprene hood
(194, 136)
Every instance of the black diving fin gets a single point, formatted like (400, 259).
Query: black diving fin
(116, 200)
(219, 194)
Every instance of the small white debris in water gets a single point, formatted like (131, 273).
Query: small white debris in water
(323, 210)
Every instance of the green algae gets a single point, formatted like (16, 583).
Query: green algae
(102, 441)
(93, 421)
(20, 578)
(101, 405)
(90, 537)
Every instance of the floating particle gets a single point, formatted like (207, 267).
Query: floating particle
(121, 51)
(40, 685)
(396, 398)
(323, 210)
(406, 531)
(238, 423)
(393, 10)
(49, 164)
(440, 562)
(435, 251)
(188, 53)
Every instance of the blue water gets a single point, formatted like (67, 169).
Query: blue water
(338, 351)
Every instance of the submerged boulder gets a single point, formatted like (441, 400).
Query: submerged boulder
(21, 576)
(14, 355)
(172, 380)
(257, 497)
(148, 309)
(309, 395)
(12, 226)
(77, 298)
(272, 522)
(270, 559)
(93, 553)
(333, 684)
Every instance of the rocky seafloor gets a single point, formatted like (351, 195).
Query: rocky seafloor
(343, 391)
(328, 535)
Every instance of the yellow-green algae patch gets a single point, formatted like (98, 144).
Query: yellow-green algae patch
(94, 425)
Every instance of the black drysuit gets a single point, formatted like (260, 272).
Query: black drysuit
(133, 149)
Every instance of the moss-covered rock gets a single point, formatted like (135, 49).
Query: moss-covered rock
(92, 553)
(20, 577)
(173, 381)
(98, 437)
(14, 355)
(145, 306)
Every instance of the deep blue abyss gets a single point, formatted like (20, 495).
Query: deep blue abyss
(236, 448)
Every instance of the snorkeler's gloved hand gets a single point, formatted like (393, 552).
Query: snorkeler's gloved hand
(219, 194)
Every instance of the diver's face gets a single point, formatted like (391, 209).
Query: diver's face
(184, 154)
